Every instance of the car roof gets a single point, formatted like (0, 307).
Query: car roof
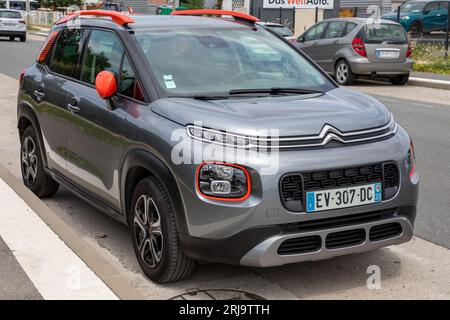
(361, 20)
(165, 22)
(10, 10)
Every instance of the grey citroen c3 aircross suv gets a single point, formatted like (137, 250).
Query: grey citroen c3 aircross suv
(124, 111)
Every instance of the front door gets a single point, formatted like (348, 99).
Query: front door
(95, 139)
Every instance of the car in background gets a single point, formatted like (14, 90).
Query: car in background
(349, 48)
(12, 25)
(422, 17)
(281, 30)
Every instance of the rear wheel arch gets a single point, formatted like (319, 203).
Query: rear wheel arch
(26, 117)
(139, 164)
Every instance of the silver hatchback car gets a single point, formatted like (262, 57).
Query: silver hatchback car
(356, 47)
(12, 25)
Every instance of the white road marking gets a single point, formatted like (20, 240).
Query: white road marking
(423, 105)
(54, 269)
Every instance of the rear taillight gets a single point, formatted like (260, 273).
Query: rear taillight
(22, 21)
(359, 47)
(22, 74)
(409, 52)
(47, 46)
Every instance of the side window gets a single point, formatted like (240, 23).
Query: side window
(335, 29)
(350, 27)
(128, 85)
(433, 6)
(103, 52)
(315, 32)
(67, 53)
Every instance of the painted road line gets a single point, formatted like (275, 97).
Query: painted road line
(55, 270)
(423, 105)
(117, 282)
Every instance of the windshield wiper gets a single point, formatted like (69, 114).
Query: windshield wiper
(274, 91)
(203, 97)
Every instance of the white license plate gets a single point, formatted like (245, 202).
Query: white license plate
(386, 54)
(343, 197)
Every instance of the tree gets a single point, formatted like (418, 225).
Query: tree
(193, 4)
(59, 3)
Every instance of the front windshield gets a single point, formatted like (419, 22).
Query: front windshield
(282, 31)
(215, 61)
(412, 7)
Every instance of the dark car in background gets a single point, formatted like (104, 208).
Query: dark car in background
(350, 48)
(280, 29)
(422, 16)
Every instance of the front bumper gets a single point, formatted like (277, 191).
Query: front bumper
(362, 66)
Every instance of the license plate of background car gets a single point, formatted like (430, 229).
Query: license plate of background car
(387, 54)
(343, 197)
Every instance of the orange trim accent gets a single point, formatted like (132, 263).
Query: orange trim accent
(116, 17)
(106, 84)
(47, 46)
(234, 14)
(247, 175)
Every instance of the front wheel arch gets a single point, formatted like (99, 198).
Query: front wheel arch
(140, 163)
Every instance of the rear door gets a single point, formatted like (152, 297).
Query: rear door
(432, 18)
(332, 41)
(95, 139)
(50, 94)
(385, 43)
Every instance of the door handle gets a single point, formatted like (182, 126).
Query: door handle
(73, 106)
(335, 41)
(39, 93)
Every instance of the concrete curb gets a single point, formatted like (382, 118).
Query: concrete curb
(429, 83)
(102, 268)
(36, 33)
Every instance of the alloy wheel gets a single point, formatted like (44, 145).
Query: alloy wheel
(148, 231)
(342, 72)
(29, 161)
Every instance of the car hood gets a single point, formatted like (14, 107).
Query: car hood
(341, 108)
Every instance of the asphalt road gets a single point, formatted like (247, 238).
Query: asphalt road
(426, 119)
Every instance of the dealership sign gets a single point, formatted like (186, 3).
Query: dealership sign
(303, 4)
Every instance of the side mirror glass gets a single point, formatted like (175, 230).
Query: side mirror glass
(301, 39)
(106, 84)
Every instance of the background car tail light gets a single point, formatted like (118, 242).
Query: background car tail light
(225, 182)
(47, 46)
(411, 160)
(359, 47)
(22, 74)
(409, 52)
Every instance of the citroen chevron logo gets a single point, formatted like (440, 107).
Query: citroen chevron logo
(329, 133)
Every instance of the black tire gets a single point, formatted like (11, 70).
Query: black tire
(33, 174)
(167, 262)
(23, 38)
(12, 38)
(416, 29)
(343, 73)
(400, 80)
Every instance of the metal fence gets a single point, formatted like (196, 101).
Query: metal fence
(41, 18)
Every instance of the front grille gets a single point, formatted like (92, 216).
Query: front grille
(345, 238)
(294, 186)
(337, 222)
(385, 231)
(300, 245)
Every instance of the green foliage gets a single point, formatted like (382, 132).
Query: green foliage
(430, 58)
(59, 3)
(194, 4)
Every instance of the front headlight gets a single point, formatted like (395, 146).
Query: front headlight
(224, 182)
(405, 18)
(411, 160)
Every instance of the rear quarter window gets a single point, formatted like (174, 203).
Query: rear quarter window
(67, 53)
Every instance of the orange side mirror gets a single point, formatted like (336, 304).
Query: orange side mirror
(106, 84)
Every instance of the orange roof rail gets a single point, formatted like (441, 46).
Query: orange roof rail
(216, 12)
(117, 17)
